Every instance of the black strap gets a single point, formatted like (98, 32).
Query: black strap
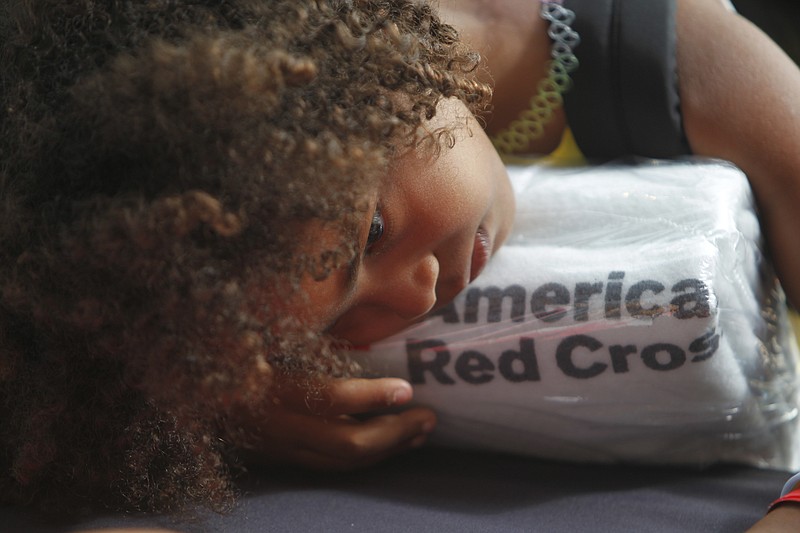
(625, 96)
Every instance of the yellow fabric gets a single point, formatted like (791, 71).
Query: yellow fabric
(794, 317)
(567, 154)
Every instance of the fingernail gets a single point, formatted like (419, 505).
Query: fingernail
(428, 426)
(400, 395)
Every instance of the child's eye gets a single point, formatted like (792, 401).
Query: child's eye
(376, 229)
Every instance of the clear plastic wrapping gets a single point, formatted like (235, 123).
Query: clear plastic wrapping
(632, 316)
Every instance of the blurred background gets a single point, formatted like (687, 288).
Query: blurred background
(780, 19)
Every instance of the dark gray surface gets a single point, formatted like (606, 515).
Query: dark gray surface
(440, 490)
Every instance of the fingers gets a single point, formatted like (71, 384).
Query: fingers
(352, 396)
(349, 396)
(342, 443)
(323, 430)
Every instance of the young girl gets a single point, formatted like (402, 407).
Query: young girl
(198, 198)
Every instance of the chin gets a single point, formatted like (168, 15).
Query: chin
(360, 336)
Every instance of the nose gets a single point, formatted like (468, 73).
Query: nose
(409, 291)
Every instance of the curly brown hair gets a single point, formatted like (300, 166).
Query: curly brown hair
(158, 161)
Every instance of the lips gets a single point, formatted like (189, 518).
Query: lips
(481, 252)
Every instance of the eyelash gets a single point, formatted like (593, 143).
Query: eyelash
(377, 228)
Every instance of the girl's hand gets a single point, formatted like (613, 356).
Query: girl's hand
(328, 432)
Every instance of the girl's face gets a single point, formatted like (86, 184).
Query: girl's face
(430, 229)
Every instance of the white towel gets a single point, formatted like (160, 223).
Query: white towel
(631, 317)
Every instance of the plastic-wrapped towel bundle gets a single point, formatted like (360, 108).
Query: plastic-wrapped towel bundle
(630, 317)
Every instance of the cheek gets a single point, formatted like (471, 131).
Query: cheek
(315, 304)
(505, 202)
(366, 324)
